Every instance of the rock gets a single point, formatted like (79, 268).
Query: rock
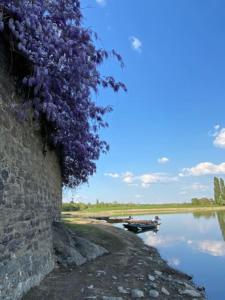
(179, 282)
(146, 248)
(90, 286)
(64, 247)
(100, 272)
(71, 250)
(201, 288)
(158, 273)
(135, 293)
(150, 277)
(164, 291)
(140, 277)
(88, 249)
(188, 286)
(154, 285)
(111, 298)
(153, 293)
(191, 293)
(122, 290)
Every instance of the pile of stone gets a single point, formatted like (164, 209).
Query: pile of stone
(72, 250)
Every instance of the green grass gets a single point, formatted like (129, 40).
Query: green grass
(96, 234)
(112, 209)
(99, 208)
(84, 229)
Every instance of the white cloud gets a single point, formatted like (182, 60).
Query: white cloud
(211, 247)
(163, 160)
(217, 127)
(174, 261)
(151, 178)
(143, 180)
(204, 168)
(128, 177)
(136, 44)
(113, 175)
(219, 140)
(147, 179)
(163, 241)
(214, 248)
(219, 136)
(101, 2)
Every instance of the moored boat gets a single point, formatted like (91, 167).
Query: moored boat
(119, 220)
(155, 221)
(136, 227)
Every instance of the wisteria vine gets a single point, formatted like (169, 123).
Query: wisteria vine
(50, 36)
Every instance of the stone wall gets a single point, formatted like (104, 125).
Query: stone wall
(30, 198)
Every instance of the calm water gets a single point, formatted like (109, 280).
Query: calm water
(195, 244)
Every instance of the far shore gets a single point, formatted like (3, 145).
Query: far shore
(148, 211)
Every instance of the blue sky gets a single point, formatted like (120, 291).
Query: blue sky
(174, 54)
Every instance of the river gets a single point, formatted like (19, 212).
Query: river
(195, 244)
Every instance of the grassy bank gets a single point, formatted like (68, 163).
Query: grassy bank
(135, 209)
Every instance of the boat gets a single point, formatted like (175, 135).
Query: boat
(119, 220)
(113, 220)
(137, 227)
(154, 222)
(101, 218)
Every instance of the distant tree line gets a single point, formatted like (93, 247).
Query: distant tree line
(73, 206)
(202, 201)
(219, 191)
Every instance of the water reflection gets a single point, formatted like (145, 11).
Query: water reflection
(214, 248)
(210, 246)
(174, 261)
(206, 214)
(209, 215)
(221, 220)
(194, 243)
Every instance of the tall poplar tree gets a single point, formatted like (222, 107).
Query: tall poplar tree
(222, 191)
(217, 191)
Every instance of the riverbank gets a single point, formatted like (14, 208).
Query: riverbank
(131, 270)
(141, 211)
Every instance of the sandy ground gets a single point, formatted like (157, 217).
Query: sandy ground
(118, 274)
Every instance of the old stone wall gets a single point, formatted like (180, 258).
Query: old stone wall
(30, 197)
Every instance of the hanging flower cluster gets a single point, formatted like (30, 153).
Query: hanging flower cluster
(64, 60)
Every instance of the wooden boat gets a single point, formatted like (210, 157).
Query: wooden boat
(136, 227)
(101, 218)
(155, 221)
(119, 220)
(143, 222)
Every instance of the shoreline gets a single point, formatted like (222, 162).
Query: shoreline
(131, 270)
(127, 212)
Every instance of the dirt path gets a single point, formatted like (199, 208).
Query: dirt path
(130, 271)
